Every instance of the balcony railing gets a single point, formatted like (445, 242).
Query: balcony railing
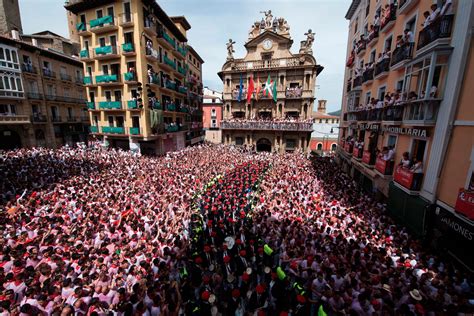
(171, 107)
(48, 73)
(407, 178)
(182, 70)
(102, 24)
(167, 39)
(88, 80)
(134, 105)
(154, 79)
(368, 158)
(373, 36)
(56, 119)
(81, 27)
(152, 53)
(65, 77)
(357, 81)
(182, 50)
(170, 85)
(71, 119)
(361, 46)
(387, 19)
(85, 54)
(385, 167)
(348, 148)
(168, 61)
(34, 96)
(349, 85)
(393, 113)
(29, 68)
(264, 125)
(94, 129)
(382, 67)
(38, 118)
(113, 130)
(357, 152)
(135, 131)
(14, 119)
(401, 53)
(294, 93)
(110, 105)
(90, 105)
(105, 51)
(79, 79)
(130, 77)
(128, 48)
(182, 89)
(272, 63)
(421, 112)
(440, 28)
(368, 75)
(106, 78)
(126, 18)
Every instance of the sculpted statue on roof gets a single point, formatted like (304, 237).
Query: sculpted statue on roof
(269, 23)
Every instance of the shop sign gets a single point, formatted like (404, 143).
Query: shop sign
(416, 132)
(449, 220)
(465, 203)
(368, 127)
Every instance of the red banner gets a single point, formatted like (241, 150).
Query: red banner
(403, 176)
(366, 157)
(381, 165)
(356, 152)
(465, 203)
(348, 148)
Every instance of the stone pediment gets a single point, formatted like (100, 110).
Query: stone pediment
(280, 39)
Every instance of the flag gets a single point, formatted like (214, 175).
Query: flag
(251, 88)
(241, 84)
(259, 87)
(274, 90)
(268, 87)
(321, 311)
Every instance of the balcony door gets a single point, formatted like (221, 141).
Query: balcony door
(418, 149)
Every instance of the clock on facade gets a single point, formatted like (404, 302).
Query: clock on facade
(267, 44)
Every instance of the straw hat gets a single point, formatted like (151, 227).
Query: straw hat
(415, 294)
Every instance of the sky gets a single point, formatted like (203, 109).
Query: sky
(213, 22)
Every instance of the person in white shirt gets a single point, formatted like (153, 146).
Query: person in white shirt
(447, 8)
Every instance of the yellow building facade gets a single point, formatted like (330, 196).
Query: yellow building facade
(267, 123)
(406, 78)
(136, 74)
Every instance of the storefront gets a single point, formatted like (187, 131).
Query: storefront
(454, 235)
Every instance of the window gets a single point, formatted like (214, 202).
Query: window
(367, 9)
(108, 96)
(333, 147)
(7, 109)
(110, 118)
(9, 58)
(367, 97)
(239, 141)
(381, 94)
(388, 43)
(99, 14)
(372, 56)
(69, 112)
(399, 85)
(356, 26)
(418, 149)
(82, 17)
(105, 69)
(54, 112)
(120, 121)
(66, 92)
(320, 146)
(118, 95)
(102, 41)
(128, 37)
(392, 140)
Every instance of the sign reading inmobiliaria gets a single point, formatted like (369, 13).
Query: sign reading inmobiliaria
(417, 132)
(465, 203)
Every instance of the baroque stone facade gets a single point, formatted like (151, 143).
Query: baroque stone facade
(277, 116)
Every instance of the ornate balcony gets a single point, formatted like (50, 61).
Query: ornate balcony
(268, 125)
(14, 119)
(264, 64)
(368, 76)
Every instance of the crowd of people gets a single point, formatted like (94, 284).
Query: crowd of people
(288, 123)
(209, 230)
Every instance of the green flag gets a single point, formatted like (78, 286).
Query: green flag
(267, 250)
(274, 92)
(321, 311)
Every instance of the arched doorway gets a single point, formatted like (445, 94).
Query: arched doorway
(264, 144)
(9, 140)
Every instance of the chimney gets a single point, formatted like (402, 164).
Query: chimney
(34, 41)
(15, 34)
(322, 106)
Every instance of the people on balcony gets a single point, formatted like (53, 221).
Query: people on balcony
(417, 170)
(294, 92)
(405, 162)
